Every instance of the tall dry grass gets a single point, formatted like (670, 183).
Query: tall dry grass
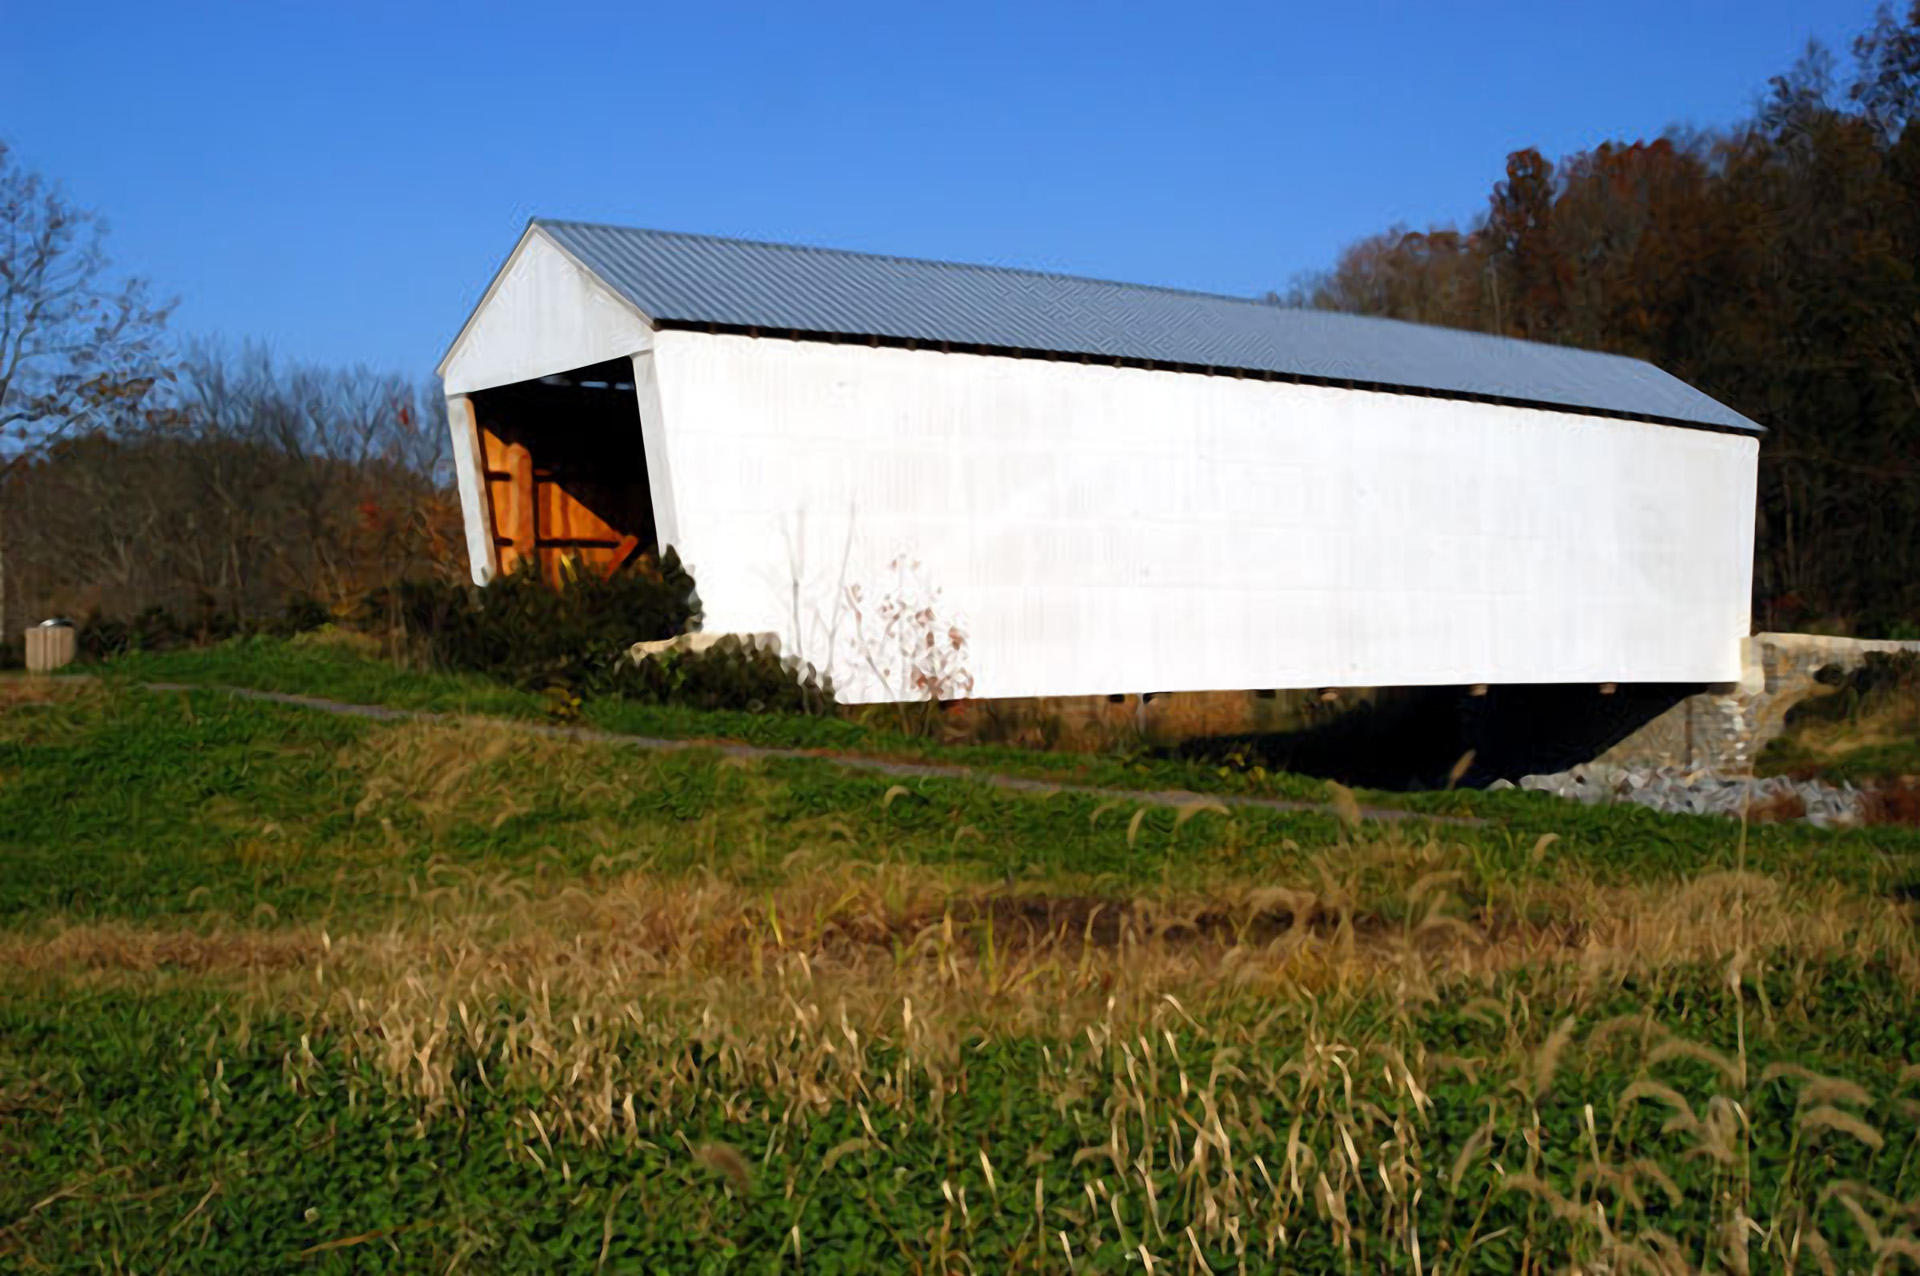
(1209, 1039)
(1245, 1063)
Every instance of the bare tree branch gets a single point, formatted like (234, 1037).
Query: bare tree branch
(76, 355)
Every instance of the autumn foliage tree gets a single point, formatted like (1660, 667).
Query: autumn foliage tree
(1775, 264)
(269, 481)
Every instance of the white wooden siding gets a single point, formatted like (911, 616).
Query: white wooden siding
(1106, 529)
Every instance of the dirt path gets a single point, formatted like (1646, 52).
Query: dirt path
(850, 761)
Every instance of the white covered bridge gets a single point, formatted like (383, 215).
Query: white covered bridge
(1116, 488)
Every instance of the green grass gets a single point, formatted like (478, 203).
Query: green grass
(341, 672)
(839, 735)
(285, 990)
(129, 803)
(313, 666)
(336, 671)
(1860, 765)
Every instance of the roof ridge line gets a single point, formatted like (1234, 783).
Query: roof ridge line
(1271, 336)
(1262, 303)
(943, 262)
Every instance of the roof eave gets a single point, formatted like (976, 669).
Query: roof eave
(1738, 424)
(493, 286)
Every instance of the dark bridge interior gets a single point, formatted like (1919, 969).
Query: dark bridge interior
(1412, 737)
(566, 469)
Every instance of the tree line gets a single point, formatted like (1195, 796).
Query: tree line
(210, 483)
(1775, 264)
(259, 482)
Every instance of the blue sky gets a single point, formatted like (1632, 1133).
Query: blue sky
(341, 179)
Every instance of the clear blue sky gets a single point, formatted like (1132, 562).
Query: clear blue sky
(341, 179)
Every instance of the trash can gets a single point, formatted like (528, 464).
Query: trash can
(50, 646)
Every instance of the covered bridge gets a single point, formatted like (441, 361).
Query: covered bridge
(1116, 488)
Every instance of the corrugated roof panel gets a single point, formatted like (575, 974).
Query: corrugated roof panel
(699, 279)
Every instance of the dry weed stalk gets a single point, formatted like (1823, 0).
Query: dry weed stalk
(1200, 1042)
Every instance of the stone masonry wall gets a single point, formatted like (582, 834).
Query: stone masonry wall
(1724, 728)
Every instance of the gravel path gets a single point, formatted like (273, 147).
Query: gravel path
(852, 762)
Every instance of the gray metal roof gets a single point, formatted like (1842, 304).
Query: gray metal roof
(695, 279)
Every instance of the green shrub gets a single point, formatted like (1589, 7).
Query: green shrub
(571, 641)
(302, 613)
(534, 635)
(1891, 628)
(155, 628)
(731, 674)
(152, 628)
(101, 638)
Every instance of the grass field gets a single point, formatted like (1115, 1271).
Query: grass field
(285, 990)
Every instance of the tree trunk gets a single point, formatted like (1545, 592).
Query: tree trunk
(4, 631)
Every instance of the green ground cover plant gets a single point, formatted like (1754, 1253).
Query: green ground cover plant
(286, 990)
